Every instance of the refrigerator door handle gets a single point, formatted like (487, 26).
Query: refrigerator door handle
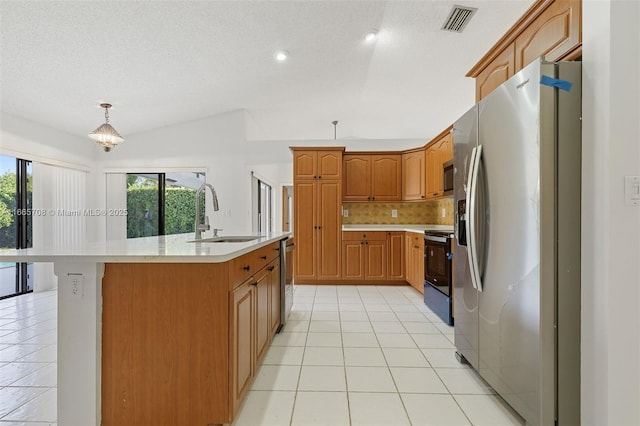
(472, 248)
(470, 215)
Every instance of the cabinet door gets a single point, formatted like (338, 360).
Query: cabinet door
(413, 176)
(356, 175)
(262, 322)
(352, 260)
(554, 34)
(375, 260)
(409, 258)
(433, 167)
(386, 177)
(328, 233)
(330, 164)
(420, 265)
(242, 341)
(496, 73)
(445, 148)
(274, 295)
(305, 229)
(395, 247)
(305, 164)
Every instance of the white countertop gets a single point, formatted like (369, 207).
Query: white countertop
(408, 228)
(161, 249)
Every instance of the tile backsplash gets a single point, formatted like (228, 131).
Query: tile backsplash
(424, 213)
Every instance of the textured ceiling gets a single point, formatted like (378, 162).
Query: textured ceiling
(166, 62)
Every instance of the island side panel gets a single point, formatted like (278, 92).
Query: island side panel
(165, 344)
(79, 343)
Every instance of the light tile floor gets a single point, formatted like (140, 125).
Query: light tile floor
(349, 355)
(28, 353)
(367, 355)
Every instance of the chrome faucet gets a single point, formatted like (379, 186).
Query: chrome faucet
(204, 226)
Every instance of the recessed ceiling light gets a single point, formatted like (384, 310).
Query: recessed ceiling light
(281, 55)
(370, 36)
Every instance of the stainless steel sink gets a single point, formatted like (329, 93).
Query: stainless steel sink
(227, 239)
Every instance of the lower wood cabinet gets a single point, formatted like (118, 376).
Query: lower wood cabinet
(414, 252)
(255, 316)
(395, 256)
(364, 256)
(242, 341)
(373, 256)
(195, 331)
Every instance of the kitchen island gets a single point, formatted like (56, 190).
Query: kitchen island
(161, 330)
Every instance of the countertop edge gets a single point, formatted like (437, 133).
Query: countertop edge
(33, 255)
(398, 228)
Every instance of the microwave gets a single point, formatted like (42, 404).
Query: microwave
(447, 177)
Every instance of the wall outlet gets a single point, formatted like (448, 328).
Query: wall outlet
(76, 281)
(345, 213)
(444, 213)
(394, 213)
(632, 190)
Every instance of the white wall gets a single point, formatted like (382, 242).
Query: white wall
(51, 149)
(611, 230)
(214, 144)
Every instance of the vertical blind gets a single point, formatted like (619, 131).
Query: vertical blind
(59, 201)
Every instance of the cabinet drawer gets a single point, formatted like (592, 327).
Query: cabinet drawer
(363, 235)
(248, 264)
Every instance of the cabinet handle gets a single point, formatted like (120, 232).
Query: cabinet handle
(361, 242)
(373, 198)
(263, 257)
(247, 268)
(271, 268)
(435, 193)
(254, 283)
(422, 196)
(366, 243)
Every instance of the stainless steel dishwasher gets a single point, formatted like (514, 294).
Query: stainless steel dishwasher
(286, 280)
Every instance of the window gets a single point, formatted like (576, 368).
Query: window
(262, 203)
(162, 203)
(15, 223)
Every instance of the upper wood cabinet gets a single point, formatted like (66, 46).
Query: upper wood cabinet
(500, 70)
(552, 28)
(317, 164)
(438, 152)
(413, 175)
(553, 34)
(372, 177)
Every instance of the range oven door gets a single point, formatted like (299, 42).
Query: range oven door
(437, 263)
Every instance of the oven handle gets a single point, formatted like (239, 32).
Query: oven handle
(435, 238)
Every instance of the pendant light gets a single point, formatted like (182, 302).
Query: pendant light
(106, 136)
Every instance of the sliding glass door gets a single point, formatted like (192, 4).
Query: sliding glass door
(15, 223)
(162, 203)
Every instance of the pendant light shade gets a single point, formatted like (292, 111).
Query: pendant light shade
(105, 135)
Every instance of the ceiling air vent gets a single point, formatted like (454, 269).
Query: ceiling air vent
(458, 18)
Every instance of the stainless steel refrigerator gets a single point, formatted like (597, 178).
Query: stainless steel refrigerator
(517, 250)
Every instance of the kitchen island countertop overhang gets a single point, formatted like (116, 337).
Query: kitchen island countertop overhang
(169, 301)
(178, 248)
